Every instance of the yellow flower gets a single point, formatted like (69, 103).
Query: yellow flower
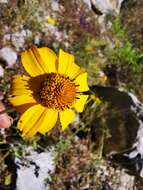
(95, 99)
(51, 20)
(52, 91)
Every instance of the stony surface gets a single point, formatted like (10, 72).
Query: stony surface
(9, 55)
(34, 169)
(108, 7)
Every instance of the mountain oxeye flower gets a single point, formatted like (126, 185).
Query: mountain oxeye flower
(53, 90)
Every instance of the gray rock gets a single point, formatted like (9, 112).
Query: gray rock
(107, 7)
(9, 55)
(34, 169)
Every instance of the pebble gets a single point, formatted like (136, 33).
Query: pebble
(108, 7)
(55, 5)
(1, 71)
(9, 55)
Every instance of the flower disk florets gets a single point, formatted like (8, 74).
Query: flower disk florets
(57, 91)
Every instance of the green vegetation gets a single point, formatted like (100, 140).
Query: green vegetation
(123, 54)
(126, 56)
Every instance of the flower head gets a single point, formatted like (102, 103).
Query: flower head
(51, 20)
(53, 90)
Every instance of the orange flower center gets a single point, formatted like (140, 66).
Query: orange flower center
(57, 91)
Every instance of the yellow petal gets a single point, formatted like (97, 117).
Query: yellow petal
(79, 104)
(49, 58)
(20, 85)
(21, 99)
(49, 120)
(31, 64)
(22, 108)
(22, 78)
(81, 80)
(67, 66)
(21, 95)
(66, 117)
(36, 63)
(29, 118)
